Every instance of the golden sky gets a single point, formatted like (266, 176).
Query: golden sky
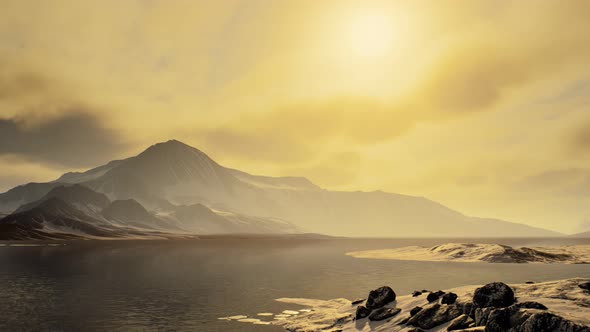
(483, 106)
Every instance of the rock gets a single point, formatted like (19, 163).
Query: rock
(383, 313)
(449, 298)
(416, 293)
(495, 294)
(585, 285)
(481, 316)
(503, 319)
(362, 312)
(433, 296)
(404, 321)
(425, 291)
(413, 330)
(380, 297)
(415, 311)
(461, 322)
(530, 282)
(548, 322)
(357, 301)
(513, 319)
(434, 315)
(531, 305)
(467, 308)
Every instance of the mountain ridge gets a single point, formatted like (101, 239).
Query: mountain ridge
(76, 211)
(171, 174)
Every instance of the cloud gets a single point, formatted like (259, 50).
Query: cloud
(75, 138)
(302, 131)
(580, 139)
(20, 84)
(570, 181)
(26, 171)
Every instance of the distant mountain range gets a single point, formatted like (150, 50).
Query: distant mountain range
(172, 188)
(585, 235)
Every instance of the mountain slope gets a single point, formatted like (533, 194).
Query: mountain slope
(130, 213)
(75, 211)
(202, 220)
(53, 215)
(585, 235)
(171, 174)
(80, 197)
(23, 194)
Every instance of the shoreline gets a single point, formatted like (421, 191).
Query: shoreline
(488, 253)
(565, 302)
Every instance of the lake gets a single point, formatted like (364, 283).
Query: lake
(187, 285)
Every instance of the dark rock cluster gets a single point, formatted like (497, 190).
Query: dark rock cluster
(374, 307)
(380, 297)
(449, 298)
(493, 308)
(433, 296)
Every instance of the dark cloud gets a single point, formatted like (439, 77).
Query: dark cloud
(75, 139)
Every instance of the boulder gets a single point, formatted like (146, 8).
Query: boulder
(416, 293)
(548, 322)
(433, 315)
(357, 301)
(415, 311)
(481, 316)
(531, 305)
(459, 323)
(433, 296)
(585, 285)
(503, 319)
(380, 297)
(467, 308)
(513, 319)
(362, 312)
(449, 298)
(495, 294)
(383, 313)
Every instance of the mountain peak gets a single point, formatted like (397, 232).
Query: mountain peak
(171, 144)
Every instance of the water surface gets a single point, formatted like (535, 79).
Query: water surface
(187, 285)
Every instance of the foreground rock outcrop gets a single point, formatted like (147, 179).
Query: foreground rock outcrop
(556, 306)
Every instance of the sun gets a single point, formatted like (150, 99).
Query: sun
(371, 35)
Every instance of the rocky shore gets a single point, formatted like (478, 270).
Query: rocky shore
(482, 252)
(556, 306)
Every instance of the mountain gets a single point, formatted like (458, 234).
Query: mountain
(177, 181)
(202, 220)
(80, 197)
(129, 212)
(76, 211)
(53, 216)
(27, 193)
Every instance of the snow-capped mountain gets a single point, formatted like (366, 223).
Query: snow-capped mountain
(176, 182)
